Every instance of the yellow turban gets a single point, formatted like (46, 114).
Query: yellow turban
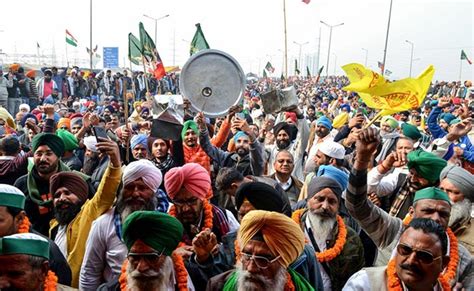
(282, 235)
(340, 120)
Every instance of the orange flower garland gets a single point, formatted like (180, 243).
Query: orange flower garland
(51, 281)
(394, 284)
(25, 225)
(208, 215)
(331, 253)
(450, 274)
(289, 286)
(179, 268)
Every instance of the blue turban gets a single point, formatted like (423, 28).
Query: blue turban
(346, 106)
(49, 100)
(341, 177)
(324, 121)
(26, 116)
(238, 135)
(448, 117)
(139, 139)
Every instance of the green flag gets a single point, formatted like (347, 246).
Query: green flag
(150, 53)
(297, 71)
(320, 70)
(269, 67)
(199, 41)
(264, 73)
(464, 57)
(134, 51)
(308, 73)
(282, 77)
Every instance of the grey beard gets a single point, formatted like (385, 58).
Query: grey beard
(460, 213)
(152, 280)
(321, 226)
(126, 209)
(244, 284)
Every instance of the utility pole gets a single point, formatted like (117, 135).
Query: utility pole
(330, 39)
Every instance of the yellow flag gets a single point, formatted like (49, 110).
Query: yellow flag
(390, 97)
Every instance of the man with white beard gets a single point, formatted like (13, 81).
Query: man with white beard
(328, 233)
(459, 184)
(105, 250)
(151, 238)
(268, 242)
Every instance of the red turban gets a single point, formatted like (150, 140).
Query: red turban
(70, 180)
(193, 177)
(292, 116)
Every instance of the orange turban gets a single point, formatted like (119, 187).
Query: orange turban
(14, 67)
(31, 74)
(64, 122)
(193, 177)
(282, 235)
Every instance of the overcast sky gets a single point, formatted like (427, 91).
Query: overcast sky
(252, 31)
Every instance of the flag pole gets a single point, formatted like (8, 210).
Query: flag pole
(67, 60)
(286, 40)
(144, 75)
(460, 70)
(377, 116)
(386, 38)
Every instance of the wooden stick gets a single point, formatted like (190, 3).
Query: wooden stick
(373, 120)
(125, 104)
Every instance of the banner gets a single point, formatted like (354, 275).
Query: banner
(390, 97)
(199, 42)
(111, 57)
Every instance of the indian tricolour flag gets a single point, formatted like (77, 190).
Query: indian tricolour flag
(70, 39)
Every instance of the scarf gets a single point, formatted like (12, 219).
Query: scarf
(164, 166)
(299, 282)
(197, 155)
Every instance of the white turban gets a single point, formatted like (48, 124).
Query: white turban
(144, 169)
(91, 143)
(25, 106)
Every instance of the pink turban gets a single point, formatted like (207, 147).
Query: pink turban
(193, 177)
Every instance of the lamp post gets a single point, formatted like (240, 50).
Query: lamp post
(330, 39)
(366, 55)
(411, 57)
(300, 45)
(156, 22)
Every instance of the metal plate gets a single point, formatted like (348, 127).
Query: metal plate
(213, 81)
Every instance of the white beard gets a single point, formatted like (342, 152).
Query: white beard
(244, 284)
(152, 280)
(460, 213)
(321, 226)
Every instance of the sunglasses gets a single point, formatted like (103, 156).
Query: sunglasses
(181, 203)
(423, 256)
(261, 262)
(150, 258)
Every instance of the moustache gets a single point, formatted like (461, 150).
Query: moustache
(411, 268)
(132, 200)
(148, 274)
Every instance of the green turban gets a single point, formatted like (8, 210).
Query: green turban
(455, 121)
(392, 122)
(411, 131)
(54, 142)
(431, 193)
(427, 165)
(160, 231)
(69, 140)
(190, 124)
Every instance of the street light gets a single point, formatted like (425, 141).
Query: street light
(300, 45)
(156, 21)
(366, 55)
(411, 58)
(330, 38)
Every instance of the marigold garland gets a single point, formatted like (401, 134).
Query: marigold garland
(394, 284)
(208, 215)
(25, 225)
(289, 286)
(331, 253)
(179, 268)
(50, 282)
(450, 274)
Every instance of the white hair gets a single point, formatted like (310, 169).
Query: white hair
(151, 279)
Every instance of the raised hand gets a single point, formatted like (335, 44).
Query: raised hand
(367, 143)
(204, 244)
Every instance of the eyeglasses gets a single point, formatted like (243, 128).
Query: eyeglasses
(423, 256)
(181, 203)
(150, 258)
(261, 262)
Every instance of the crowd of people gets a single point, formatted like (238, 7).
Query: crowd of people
(95, 195)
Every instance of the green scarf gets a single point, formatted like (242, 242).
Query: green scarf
(299, 281)
(33, 188)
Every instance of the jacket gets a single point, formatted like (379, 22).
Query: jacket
(252, 164)
(349, 261)
(385, 230)
(294, 191)
(78, 229)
